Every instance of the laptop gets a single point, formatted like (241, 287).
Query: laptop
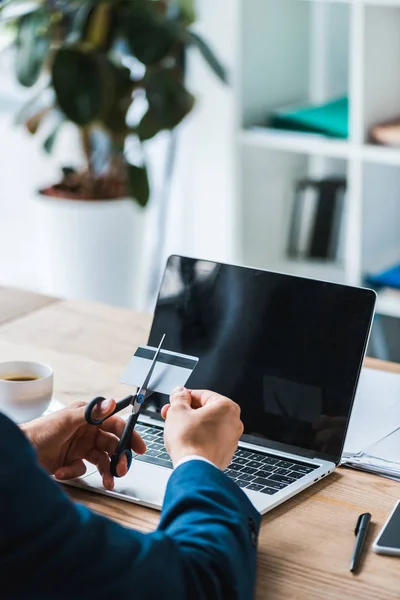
(288, 350)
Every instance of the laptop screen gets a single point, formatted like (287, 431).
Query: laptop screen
(288, 350)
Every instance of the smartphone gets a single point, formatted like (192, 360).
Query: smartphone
(388, 540)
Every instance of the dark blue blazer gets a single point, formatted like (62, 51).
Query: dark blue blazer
(52, 549)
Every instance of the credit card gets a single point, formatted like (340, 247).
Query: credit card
(171, 369)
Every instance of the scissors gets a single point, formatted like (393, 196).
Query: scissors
(124, 444)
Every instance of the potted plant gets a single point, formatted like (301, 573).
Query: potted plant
(116, 70)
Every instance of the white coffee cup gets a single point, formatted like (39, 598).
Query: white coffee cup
(26, 389)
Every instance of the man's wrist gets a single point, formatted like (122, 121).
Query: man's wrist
(28, 431)
(34, 435)
(184, 451)
(191, 457)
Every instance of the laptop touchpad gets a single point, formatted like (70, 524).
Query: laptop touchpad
(144, 483)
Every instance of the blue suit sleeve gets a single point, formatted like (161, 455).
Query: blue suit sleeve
(50, 548)
(215, 527)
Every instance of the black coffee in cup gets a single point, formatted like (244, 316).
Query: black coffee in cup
(18, 378)
(26, 389)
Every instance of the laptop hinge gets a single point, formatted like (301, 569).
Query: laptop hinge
(271, 445)
(306, 453)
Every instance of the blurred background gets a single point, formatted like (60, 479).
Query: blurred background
(259, 132)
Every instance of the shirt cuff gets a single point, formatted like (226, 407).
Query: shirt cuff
(194, 457)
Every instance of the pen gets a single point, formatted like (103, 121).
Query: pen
(361, 531)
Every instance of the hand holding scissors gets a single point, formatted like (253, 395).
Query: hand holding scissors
(124, 444)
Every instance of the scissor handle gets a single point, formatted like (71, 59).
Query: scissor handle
(124, 445)
(96, 401)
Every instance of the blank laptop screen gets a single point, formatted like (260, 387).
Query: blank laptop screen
(288, 350)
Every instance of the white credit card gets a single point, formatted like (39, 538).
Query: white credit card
(171, 370)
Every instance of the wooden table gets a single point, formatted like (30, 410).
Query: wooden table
(305, 545)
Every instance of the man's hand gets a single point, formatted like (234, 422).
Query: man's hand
(201, 423)
(63, 440)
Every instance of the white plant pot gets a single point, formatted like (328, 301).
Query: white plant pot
(92, 250)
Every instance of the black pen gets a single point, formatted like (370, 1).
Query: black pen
(361, 532)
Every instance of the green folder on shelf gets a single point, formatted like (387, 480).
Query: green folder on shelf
(331, 119)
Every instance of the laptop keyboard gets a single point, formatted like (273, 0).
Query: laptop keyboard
(265, 473)
(249, 469)
(156, 453)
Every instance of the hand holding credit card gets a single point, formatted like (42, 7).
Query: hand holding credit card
(150, 370)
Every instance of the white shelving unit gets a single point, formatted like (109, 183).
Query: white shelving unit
(279, 52)
(314, 51)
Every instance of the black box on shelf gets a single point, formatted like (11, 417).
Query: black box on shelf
(317, 219)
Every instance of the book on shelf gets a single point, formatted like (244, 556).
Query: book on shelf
(388, 278)
(316, 222)
(330, 119)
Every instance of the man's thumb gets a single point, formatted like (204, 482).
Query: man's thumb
(104, 409)
(180, 395)
(101, 411)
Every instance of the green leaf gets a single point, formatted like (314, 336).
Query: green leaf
(148, 127)
(100, 26)
(150, 35)
(138, 183)
(208, 55)
(84, 84)
(32, 45)
(114, 118)
(79, 21)
(188, 10)
(48, 143)
(169, 103)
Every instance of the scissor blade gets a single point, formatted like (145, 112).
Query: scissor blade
(143, 387)
(136, 407)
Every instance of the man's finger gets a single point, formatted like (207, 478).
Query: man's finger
(101, 411)
(137, 443)
(164, 410)
(102, 462)
(107, 442)
(202, 397)
(122, 466)
(116, 426)
(180, 396)
(75, 414)
(77, 404)
(76, 469)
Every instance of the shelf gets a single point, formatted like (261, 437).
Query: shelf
(303, 143)
(388, 303)
(381, 154)
(378, 3)
(313, 269)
